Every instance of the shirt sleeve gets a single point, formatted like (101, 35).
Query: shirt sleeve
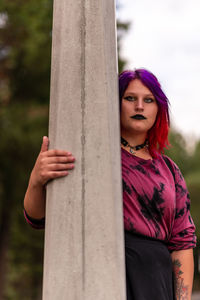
(35, 223)
(183, 230)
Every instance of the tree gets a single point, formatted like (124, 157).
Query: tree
(21, 131)
(25, 47)
(25, 50)
(122, 28)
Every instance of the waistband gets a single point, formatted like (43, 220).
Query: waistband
(131, 237)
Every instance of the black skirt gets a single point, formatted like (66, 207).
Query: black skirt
(148, 269)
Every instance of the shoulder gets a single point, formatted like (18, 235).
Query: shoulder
(176, 172)
(169, 160)
(170, 163)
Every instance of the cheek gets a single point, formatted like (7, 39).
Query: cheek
(123, 112)
(155, 112)
(122, 116)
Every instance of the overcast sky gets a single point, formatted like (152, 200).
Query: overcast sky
(164, 37)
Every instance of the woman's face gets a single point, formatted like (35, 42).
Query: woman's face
(138, 109)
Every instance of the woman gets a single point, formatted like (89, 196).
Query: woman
(159, 231)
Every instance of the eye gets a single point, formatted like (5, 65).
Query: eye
(149, 100)
(129, 98)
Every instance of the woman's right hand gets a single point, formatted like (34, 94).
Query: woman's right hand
(50, 164)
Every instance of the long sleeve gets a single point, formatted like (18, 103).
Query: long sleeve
(183, 230)
(35, 223)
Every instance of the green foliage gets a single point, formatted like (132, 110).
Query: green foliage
(25, 42)
(193, 180)
(21, 129)
(177, 151)
(25, 255)
(25, 48)
(121, 30)
(195, 159)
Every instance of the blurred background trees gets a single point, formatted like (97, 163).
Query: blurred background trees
(25, 51)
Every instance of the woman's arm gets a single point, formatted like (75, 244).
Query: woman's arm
(49, 165)
(183, 269)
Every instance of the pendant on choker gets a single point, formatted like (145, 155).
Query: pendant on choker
(132, 149)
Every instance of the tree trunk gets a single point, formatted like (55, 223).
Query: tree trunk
(4, 244)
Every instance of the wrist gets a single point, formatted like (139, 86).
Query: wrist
(34, 183)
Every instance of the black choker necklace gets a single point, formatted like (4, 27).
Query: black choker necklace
(132, 149)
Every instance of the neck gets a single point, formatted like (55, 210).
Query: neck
(134, 139)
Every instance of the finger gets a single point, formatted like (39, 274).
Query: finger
(58, 159)
(54, 174)
(45, 144)
(60, 167)
(55, 152)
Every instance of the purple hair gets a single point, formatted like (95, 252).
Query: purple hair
(158, 134)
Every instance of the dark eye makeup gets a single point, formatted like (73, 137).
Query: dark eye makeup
(146, 100)
(149, 100)
(129, 98)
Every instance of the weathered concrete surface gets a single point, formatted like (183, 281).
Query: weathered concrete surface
(84, 253)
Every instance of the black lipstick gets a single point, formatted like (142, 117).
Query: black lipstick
(138, 117)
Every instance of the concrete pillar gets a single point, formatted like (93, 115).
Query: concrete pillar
(84, 248)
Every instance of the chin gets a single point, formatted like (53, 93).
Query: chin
(138, 130)
(135, 130)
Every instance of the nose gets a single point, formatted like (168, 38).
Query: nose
(139, 105)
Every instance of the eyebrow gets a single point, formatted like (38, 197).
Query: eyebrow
(134, 94)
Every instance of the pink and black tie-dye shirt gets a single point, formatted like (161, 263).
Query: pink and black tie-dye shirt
(156, 201)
